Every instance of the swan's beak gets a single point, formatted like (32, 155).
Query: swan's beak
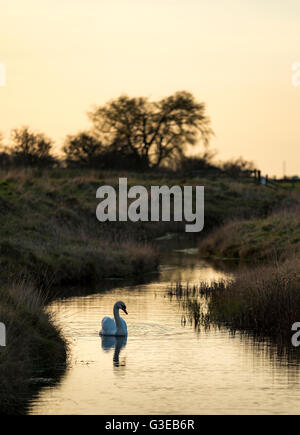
(124, 309)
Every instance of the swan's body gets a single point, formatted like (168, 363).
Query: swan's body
(115, 327)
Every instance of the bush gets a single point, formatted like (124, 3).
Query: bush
(238, 167)
(82, 150)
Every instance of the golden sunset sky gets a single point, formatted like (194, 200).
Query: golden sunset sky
(63, 56)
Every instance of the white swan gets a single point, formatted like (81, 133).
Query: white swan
(115, 327)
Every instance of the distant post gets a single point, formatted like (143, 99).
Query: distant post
(255, 174)
(259, 176)
(2, 334)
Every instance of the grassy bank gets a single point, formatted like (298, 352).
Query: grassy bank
(275, 237)
(33, 345)
(49, 228)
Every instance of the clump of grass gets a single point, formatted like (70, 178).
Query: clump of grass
(263, 301)
(34, 345)
(192, 299)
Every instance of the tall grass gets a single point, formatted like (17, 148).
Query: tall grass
(263, 301)
(34, 346)
(192, 299)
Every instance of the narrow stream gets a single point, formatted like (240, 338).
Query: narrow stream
(164, 367)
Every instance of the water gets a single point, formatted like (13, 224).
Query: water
(164, 367)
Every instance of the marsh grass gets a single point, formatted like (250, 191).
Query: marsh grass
(192, 299)
(34, 344)
(263, 301)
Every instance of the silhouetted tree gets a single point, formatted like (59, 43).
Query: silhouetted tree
(82, 150)
(238, 167)
(153, 132)
(31, 148)
(5, 157)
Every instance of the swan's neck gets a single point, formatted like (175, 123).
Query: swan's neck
(117, 317)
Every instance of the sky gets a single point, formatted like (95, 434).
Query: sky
(64, 56)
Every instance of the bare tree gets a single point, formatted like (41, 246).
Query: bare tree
(31, 148)
(152, 131)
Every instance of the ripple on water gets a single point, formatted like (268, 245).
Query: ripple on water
(153, 329)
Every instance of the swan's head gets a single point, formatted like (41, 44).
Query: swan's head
(121, 306)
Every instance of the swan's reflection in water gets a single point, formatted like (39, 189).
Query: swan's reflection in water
(117, 343)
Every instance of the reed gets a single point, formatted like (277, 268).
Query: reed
(262, 301)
